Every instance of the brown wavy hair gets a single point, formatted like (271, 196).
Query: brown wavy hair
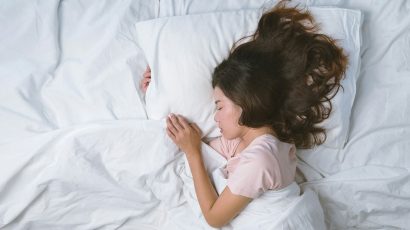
(284, 76)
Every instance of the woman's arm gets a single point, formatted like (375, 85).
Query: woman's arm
(218, 211)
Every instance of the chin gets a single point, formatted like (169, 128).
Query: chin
(228, 137)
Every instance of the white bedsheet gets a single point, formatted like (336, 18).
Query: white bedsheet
(72, 150)
(367, 184)
(77, 153)
(95, 176)
(68, 62)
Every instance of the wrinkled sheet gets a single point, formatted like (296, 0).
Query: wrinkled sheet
(366, 184)
(285, 209)
(64, 63)
(76, 150)
(108, 175)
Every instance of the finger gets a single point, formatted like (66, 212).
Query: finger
(147, 75)
(146, 80)
(183, 122)
(171, 126)
(195, 126)
(170, 134)
(176, 122)
(142, 84)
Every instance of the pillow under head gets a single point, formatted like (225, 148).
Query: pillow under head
(184, 50)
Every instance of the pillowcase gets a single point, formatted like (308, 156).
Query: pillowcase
(184, 50)
(182, 53)
(183, 7)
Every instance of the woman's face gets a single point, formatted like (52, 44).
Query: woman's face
(227, 115)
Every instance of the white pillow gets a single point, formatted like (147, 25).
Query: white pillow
(183, 7)
(184, 50)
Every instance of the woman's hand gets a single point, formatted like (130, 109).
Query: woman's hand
(187, 136)
(146, 79)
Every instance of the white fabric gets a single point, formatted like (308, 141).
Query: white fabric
(66, 71)
(366, 184)
(72, 155)
(182, 63)
(204, 40)
(353, 191)
(367, 197)
(282, 209)
(103, 174)
(183, 7)
(68, 62)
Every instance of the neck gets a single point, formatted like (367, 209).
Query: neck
(251, 133)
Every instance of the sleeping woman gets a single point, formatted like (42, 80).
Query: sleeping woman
(270, 93)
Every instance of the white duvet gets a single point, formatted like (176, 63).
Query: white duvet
(103, 175)
(76, 150)
(122, 174)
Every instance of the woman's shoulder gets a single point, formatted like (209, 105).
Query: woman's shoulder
(268, 162)
(268, 146)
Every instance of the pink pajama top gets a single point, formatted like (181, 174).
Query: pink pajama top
(265, 164)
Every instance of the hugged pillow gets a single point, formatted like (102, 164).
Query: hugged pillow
(184, 50)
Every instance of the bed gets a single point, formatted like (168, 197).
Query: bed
(81, 147)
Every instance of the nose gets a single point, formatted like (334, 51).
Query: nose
(216, 117)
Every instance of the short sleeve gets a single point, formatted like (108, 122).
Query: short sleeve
(253, 175)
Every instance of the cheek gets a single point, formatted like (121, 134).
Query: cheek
(225, 116)
(235, 115)
(228, 117)
(220, 117)
(230, 120)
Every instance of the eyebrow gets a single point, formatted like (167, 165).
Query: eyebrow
(217, 101)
